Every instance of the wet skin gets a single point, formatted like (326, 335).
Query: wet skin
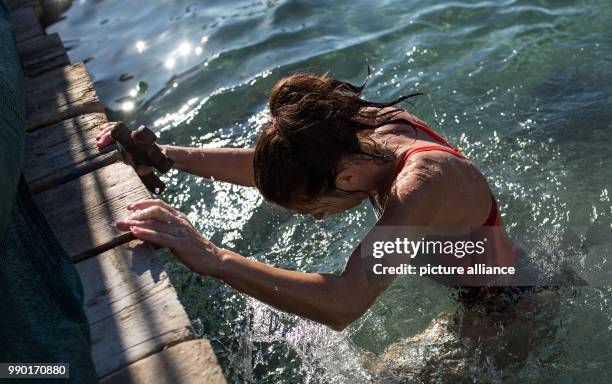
(418, 196)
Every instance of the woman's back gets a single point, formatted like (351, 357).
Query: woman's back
(465, 196)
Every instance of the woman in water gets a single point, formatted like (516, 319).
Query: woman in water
(325, 151)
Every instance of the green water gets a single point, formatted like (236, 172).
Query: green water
(522, 87)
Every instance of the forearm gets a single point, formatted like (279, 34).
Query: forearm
(233, 165)
(324, 298)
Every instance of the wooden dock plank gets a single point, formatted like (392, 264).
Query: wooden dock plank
(27, 25)
(64, 151)
(42, 54)
(190, 362)
(83, 211)
(132, 307)
(59, 95)
(140, 332)
(20, 4)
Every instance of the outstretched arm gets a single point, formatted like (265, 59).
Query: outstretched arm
(334, 300)
(233, 165)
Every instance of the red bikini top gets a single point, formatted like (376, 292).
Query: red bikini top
(493, 219)
(500, 253)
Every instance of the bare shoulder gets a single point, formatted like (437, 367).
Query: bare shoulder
(423, 173)
(415, 197)
(436, 181)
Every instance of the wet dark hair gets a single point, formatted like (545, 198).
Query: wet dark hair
(316, 121)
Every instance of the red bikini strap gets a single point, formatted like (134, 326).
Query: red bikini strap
(493, 220)
(429, 131)
(424, 148)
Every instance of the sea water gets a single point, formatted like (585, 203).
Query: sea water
(522, 87)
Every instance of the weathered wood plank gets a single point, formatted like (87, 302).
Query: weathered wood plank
(83, 211)
(20, 4)
(42, 54)
(190, 362)
(26, 24)
(132, 307)
(64, 151)
(59, 95)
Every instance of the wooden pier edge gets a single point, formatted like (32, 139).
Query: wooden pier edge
(191, 358)
(139, 330)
